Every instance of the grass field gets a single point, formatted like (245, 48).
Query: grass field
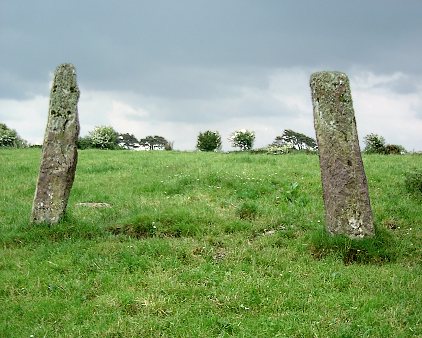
(206, 245)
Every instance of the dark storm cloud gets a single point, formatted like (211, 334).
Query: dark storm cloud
(143, 45)
(199, 64)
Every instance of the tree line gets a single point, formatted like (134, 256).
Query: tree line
(106, 137)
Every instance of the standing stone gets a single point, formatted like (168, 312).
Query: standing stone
(59, 154)
(345, 189)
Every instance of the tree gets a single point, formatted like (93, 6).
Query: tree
(294, 140)
(128, 141)
(104, 137)
(169, 145)
(10, 138)
(84, 143)
(394, 149)
(242, 139)
(209, 141)
(156, 143)
(374, 144)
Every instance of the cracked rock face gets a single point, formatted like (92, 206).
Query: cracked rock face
(59, 154)
(345, 190)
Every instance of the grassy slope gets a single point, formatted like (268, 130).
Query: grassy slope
(203, 245)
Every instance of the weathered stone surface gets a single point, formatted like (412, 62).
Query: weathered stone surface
(345, 190)
(59, 154)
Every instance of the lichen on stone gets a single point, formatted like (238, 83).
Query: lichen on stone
(59, 155)
(345, 190)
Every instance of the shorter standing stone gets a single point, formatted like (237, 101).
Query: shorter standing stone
(59, 154)
(345, 189)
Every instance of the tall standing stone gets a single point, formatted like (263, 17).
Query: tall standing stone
(345, 189)
(59, 154)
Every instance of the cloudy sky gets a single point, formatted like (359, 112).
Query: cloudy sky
(175, 68)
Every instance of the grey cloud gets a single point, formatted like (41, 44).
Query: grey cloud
(406, 85)
(218, 110)
(16, 87)
(125, 45)
(194, 61)
(417, 108)
(223, 95)
(200, 83)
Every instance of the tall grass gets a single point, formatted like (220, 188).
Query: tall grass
(206, 245)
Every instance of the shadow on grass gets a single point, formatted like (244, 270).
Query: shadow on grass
(381, 248)
(166, 224)
(66, 229)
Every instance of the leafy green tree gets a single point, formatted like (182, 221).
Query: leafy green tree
(156, 142)
(104, 137)
(169, 145)
(374, 144)
(209, 141)
(394, 149)
(128, 141)
(294, 140)
(242, 139)
(10, 138)
(84, 143)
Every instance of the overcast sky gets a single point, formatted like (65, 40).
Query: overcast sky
(175, 68)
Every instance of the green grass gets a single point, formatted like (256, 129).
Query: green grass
(206, 245)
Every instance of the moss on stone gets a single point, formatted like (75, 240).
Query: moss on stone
(59, 157)
(346, 197)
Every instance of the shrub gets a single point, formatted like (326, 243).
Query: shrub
(274, 149)
(394, 149)
(104, 137)
(374, 144)
(84, 143)
(413, 181)
(10, 138)
(242, 139)
(169, 145)
(209, 141)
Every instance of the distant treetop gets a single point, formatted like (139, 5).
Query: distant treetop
(294, 140)
(10, 138)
